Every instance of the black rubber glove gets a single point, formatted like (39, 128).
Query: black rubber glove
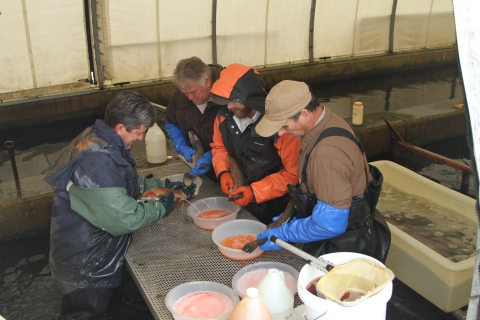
(168, 203)
(189, 191)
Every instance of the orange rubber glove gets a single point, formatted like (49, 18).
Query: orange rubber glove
(226, 182)
(247, 195)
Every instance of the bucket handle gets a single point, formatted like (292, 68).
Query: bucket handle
(304, 316)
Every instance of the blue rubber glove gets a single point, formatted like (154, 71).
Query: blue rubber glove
(203, 164)
(326, 222)
(278, 217)
(178, 139)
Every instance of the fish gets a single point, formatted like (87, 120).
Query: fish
(160, 193)
(188, 177)
(196, 145)
(286, 216)
(236, 197)
(238, 177)
(200, 151)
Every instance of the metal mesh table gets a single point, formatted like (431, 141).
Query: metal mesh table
(174, 250)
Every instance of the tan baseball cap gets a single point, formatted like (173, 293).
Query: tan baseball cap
(285, 99)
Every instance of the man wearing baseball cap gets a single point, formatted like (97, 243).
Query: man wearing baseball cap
(338, 190)
(268, 164)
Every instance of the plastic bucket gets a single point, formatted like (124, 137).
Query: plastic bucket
(373, 308)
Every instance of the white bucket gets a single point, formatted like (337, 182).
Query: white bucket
(373, 308)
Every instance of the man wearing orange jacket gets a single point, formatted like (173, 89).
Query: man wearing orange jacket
(268, 164)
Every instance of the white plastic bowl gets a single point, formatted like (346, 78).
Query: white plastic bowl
(202, 205)
(189, 287)
(233, 228)
(179, 178)
(262, 265)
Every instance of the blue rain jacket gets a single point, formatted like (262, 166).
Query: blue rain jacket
(82, 255)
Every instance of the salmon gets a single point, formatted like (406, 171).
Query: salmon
(238, 177)
(196, 145)
(286, 216)
(160, 193)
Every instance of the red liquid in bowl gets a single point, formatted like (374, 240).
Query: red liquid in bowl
(203, 304)
(238, 241)
(214, 213)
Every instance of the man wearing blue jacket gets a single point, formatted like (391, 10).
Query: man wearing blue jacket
(95, 209)
(338, 190)
(189, 109)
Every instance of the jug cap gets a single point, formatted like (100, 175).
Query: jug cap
(252, 292)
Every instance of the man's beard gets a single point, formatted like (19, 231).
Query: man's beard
(242, 113)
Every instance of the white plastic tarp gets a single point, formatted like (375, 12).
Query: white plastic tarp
(423, 24)
(147, 38)
(468, 37)
(43, 43)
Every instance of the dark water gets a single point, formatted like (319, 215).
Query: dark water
(26, 291)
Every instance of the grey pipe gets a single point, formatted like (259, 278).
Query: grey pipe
(9, 145)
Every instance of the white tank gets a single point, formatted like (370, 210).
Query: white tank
(156, 145)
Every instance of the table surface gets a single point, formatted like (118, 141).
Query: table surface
(174, 250)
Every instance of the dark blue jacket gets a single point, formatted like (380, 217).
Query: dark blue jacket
(82, 255)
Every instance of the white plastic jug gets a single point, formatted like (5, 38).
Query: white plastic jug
(251, 307)
(156, 145)
(275, 294)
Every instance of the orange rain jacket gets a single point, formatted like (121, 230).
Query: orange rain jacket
(272, 186)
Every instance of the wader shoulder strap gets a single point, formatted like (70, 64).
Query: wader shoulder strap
(329, 132)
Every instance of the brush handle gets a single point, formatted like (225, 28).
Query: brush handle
(319, 263)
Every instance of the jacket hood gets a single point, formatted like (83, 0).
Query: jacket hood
(240, 83)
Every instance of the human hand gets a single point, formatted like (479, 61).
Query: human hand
(226, 182)
(247, 195)
(168, 203)
(188, 190)
(269, 246)
(203, 164)
(187, 152)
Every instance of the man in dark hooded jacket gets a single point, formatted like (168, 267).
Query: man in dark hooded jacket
(95, 209)
(268, 164)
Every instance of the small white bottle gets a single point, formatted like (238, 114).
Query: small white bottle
(357, 114)
(276, 295)
(156, 145)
